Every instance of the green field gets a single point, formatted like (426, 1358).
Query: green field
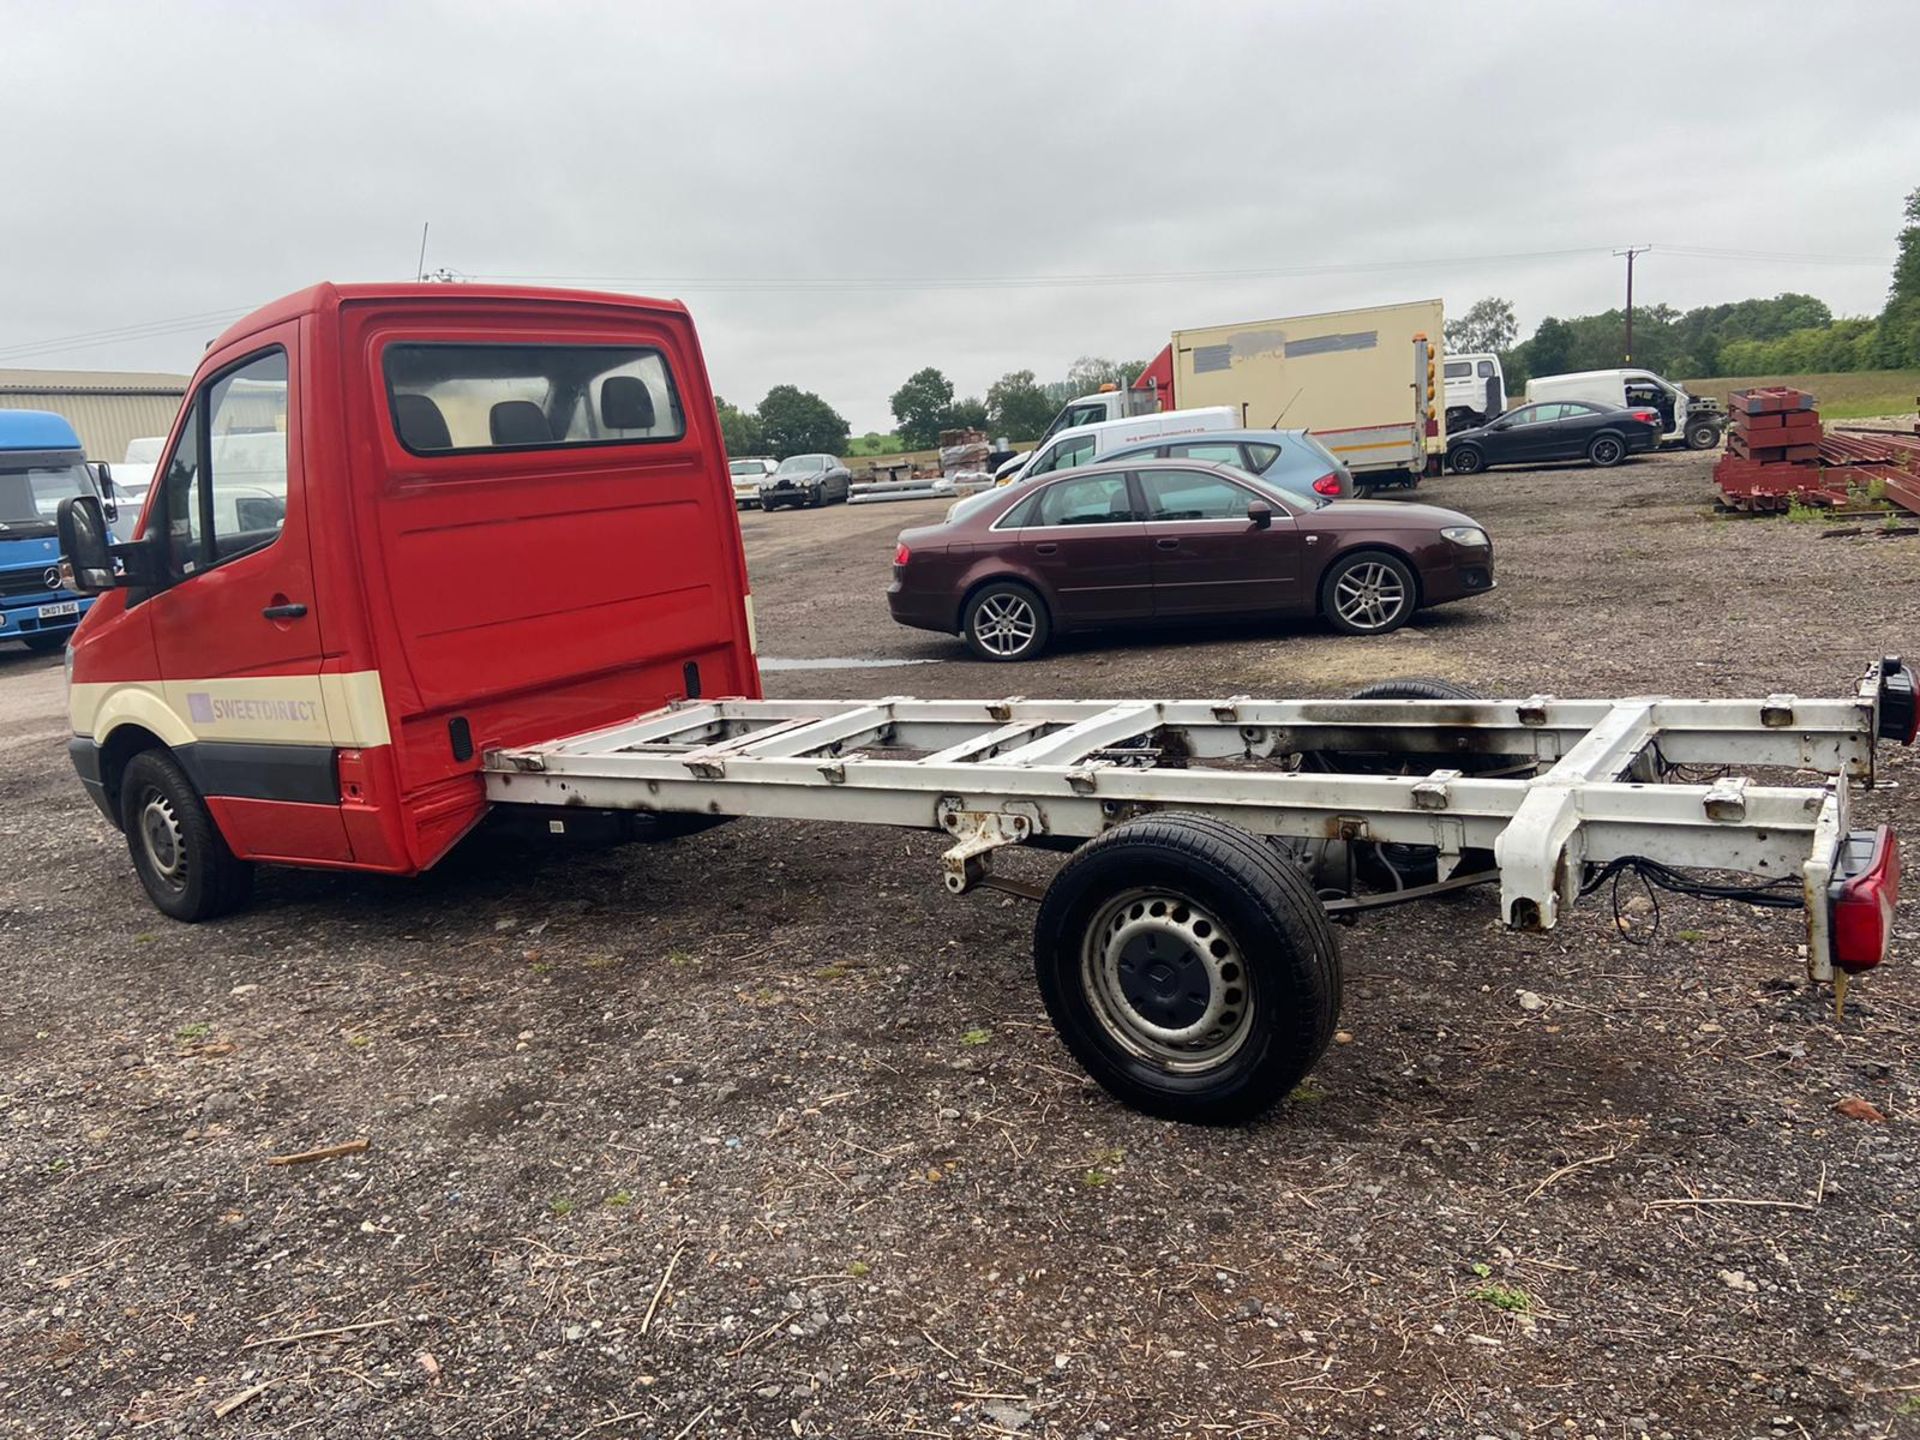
(1842, 396)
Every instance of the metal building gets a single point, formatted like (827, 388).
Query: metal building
(107, 407)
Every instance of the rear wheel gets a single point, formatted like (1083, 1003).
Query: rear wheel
(1702, 435)
(1606, 451)
(1006, 621)
(1189, 967)
(1369, 593)
(177, 850)
(1467, 460)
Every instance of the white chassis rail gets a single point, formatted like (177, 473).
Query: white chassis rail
(993, 773)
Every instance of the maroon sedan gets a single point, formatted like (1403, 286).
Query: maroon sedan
(1121, 544)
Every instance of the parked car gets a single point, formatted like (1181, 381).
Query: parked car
(806, 480)
(1122, 544)
(1561, 430)
(1291, 459)
(749, 474)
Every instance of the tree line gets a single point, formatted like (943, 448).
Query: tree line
(1789, 334)
(1017, 406)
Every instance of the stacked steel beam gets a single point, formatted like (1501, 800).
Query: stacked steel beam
(1779, 453)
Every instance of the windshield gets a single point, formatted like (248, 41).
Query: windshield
(746, 467)
(802, 464)
(32, 487)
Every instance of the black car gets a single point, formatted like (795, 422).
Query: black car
(1555, 430)
(811, 480)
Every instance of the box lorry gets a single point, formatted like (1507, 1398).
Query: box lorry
(505, 580)
(41, 464)
(1697, 422)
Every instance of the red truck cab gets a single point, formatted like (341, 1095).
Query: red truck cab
(395, 526)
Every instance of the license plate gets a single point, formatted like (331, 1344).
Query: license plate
(54, 612)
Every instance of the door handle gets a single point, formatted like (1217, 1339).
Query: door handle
(284, 612)
(1045, 547)
(1166, 544)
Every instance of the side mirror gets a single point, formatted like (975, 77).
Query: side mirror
(1260, 513)
(83, 544)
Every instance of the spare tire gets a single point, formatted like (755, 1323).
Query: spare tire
(1396, 866)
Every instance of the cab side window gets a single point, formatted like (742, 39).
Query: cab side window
(226, 485)
(1064, 456)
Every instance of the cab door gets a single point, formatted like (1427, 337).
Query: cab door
(235, 627)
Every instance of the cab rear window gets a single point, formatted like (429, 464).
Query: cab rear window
(459, 399)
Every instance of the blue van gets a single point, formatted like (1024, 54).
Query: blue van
(41, 464)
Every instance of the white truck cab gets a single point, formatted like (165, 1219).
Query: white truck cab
(1476, 390)
(1690, 421)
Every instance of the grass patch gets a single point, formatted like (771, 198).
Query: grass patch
(619, 1197)
(198, 1030)
(976, 1036)
(560, 1208)
(1094, 1178)
(859, 1269)
(1841, 396)
(1691, 935)
(1503, 1297)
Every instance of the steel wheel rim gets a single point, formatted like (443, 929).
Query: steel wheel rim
(164, 842)
(1466, 462)
(1370, 595)
(1005, 624)
(1166, 981)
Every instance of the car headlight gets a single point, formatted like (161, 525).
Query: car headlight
(1467, 537)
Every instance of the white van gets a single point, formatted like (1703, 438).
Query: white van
(1690, 421)
(1084, 444)
(1476, 390)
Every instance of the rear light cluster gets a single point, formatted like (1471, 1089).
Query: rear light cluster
(901, 554)
(1899, 707)
(1328, 484)
(1862, 896)
(1647, 417)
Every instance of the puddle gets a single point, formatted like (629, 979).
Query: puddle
(774, 662)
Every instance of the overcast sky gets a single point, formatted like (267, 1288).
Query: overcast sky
(847, 191)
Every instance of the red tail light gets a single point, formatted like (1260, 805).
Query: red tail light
(1327, 484)
(1647, 417)
(901, 553)
(1861, 898)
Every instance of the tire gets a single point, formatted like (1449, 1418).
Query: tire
(1388, 864)
(177, 850)
(1189, 967)
(817, 499)
(1006, 621)
(1702, 435)
(1369, 593)
(1467, 460)
(42, 643)
(1606, 451)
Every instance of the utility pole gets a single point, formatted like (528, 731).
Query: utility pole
(420, 270)
(1630, 252)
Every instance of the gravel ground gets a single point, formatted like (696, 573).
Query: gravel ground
(760, 1134)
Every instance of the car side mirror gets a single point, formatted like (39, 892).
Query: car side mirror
(1260, 513)
(84, 549)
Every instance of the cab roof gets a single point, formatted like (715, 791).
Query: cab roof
(327, 297)
(36, 430)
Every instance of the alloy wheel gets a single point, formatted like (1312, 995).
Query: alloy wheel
(1005, 624)
(1370, 596)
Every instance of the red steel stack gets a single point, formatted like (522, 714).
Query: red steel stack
(1774, 424)
(1773, 452)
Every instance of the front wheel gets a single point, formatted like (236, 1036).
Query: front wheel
(1189, 967)
(178, 851)
(1368, 594)
(42, 643)
(1702, 435)
(1467, 460)
(1606, 451)
(1006, 621)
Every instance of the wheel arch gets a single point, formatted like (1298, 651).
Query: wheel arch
(1011, 577)
(122, 743)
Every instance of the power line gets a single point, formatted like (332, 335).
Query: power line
(836, 284)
